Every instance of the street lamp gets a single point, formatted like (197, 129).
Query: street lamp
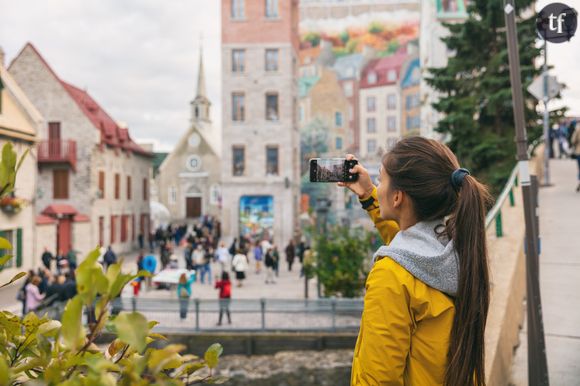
(322, 207)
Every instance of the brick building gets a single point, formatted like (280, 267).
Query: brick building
(260, 182)
(93, 179)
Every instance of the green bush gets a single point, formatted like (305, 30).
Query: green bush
(342, 255)
(40, 351)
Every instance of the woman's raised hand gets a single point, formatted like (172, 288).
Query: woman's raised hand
(363, 187)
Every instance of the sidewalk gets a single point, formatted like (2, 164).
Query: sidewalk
(559, 279)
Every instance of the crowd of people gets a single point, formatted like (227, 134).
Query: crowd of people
(567, 138)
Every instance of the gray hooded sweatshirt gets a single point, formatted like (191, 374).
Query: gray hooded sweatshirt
(426, 255)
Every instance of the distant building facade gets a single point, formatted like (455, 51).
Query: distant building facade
(411, 98)
(93, 178)
(19, 123)
(188, 179)
(260, 147)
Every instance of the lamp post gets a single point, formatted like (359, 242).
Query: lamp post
(322, 207)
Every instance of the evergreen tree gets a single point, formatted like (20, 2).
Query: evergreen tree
(476, 97)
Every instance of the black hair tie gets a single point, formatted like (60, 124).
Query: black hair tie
(457, 178)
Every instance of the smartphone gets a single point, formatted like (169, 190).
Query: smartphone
(332, 170)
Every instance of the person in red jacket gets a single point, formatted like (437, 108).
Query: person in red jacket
(225, 287)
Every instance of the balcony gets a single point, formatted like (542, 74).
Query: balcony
(58, 151)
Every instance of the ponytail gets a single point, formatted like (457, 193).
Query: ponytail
(466, 355)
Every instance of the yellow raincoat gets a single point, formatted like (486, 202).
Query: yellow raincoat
(405, 325)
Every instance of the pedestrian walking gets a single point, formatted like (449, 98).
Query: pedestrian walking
(276, 257)
(188, 256)
(198, 258)
(575, 141)
(225, 295)
(184, 292)
(223, 256)
(47, 259)
(258, 257)
(206, 266)
(110, 257)
(427, 294)
(33, 295)
(290, 254)
(269, 263)
(150, 265)
(240, 264)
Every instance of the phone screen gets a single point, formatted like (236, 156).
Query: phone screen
(328, 169)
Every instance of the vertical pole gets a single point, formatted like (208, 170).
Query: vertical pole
(512, 199)
(537, 362)
(263, 311)
(547, 147)
(196, 314)
(333, 305)
(498, 225)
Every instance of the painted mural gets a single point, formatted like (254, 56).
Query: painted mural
(257, 217)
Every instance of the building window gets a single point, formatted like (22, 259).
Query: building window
(391, 76)
(113, 229)
(101, 231)
(372, 77)
(391, 102)
(338, 143)
(101, 184)
(271, 8)
(371, 125)
(145, 189)
(301, 113)
(238, 108)
(391, 124)
(117, 186)
(348, 89)
(238, 9)
(272, 106)
(272, 160)
(9, 235)
(371, 145)
(371, 104)
(60, 184)
(124, 227)
(238, 160)
(129, 187)
(238, 60)
(338, 119)
(172, 195)
(271, 59)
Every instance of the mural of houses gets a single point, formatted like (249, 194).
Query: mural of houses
(20, 122)
(411, 98)
(93, 178)
(380, 104)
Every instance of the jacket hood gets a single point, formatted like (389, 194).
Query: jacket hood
(428, 256)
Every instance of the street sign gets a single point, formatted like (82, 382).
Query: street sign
(536, 88)
(557, 23)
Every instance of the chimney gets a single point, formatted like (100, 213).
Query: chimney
(1, 57)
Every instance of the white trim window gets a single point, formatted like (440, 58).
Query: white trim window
(272, 9)
(238, 9)
(172, 195)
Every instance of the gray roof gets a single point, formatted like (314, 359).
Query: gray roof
(349, 66)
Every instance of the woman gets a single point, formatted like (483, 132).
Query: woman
(184, 292)
(240, 264)
(427, 294)
(33, 295)
(225, 287)
(269, 263)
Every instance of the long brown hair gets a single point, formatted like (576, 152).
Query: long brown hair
(422, 169)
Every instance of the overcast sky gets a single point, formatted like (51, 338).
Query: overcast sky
(139, 58)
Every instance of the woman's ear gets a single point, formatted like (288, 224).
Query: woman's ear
(397, 199)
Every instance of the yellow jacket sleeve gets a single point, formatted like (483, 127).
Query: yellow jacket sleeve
(385, 333)
(387, 228)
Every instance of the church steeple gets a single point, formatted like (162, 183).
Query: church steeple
(201, 104)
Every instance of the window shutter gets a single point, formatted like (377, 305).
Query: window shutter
(19, 247)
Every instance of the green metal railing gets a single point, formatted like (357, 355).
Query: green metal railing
(494, 215)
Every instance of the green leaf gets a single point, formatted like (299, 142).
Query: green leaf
(16, 277)
(5, 244)
(49, 328)
(132, 329)
(212, 354)
(72, 331)
(4, 372)
(22, 157)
